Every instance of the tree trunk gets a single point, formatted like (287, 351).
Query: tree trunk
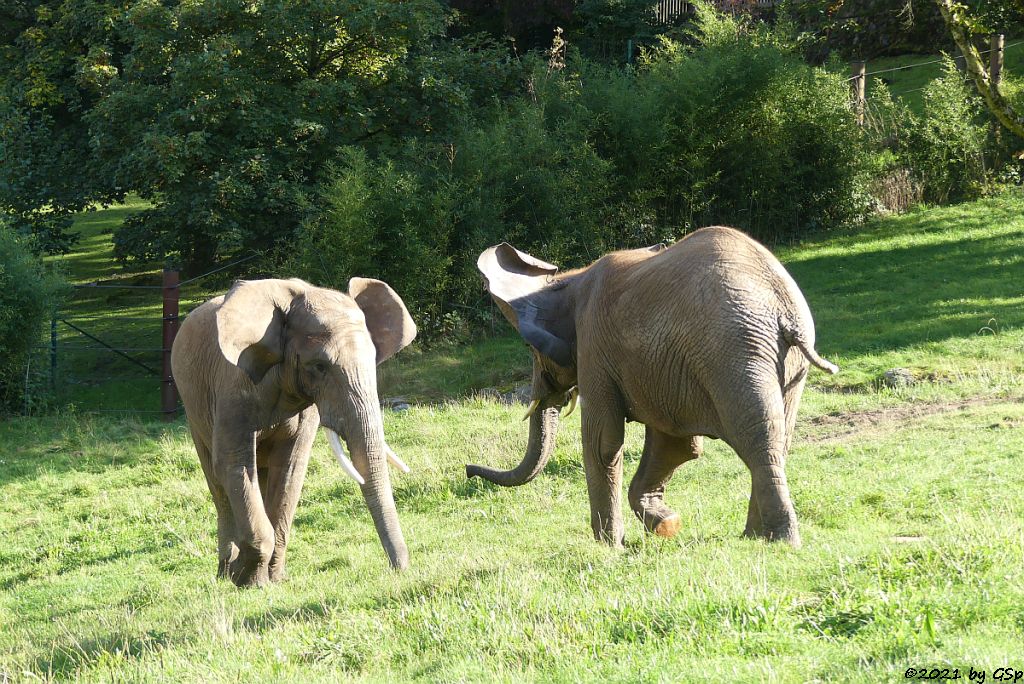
(997, 104)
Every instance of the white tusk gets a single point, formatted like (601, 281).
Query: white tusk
(393, 457)
(339, 451)
(572, 403)
(533, 407)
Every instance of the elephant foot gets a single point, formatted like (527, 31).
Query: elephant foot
(668, 527)
(613, 533)
(227, 556)
(657, 518)
(276, 571)
(788, 534)
(251, 577)
(249, 570)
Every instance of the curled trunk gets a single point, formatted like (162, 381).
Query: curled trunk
(543, 428)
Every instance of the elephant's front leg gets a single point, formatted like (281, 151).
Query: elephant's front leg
(663, 453)
(235, 464)
(603, 434)
(287, 458)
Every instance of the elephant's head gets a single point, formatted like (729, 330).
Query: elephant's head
(320, 346)
(540, 304)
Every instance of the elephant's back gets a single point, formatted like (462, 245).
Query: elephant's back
(722, 268)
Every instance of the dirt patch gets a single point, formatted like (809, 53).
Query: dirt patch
(874, 420)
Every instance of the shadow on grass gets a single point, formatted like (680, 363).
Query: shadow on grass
(464, 584)
(75, 443)
(270, 618)
(889, 296)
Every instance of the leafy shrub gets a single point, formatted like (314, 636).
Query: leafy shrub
(938, 155)
(380, 219)
(420, 219)
(737, 131)
(28, 293)
(946, 146)
(592, 158)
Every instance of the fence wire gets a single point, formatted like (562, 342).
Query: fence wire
(928, 63)
(60, 372)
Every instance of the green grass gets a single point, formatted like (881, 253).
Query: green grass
(909, 500)
(122, 318)
(907, 75)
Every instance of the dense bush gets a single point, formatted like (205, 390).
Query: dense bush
(738, 131)
(946, 146)
(936, 155)
(420, 219)
(590, 158)
(28, 293)
(222, 113)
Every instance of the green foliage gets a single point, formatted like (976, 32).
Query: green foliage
(222, 113)
(28, 296)
(944, 147)
(419, 220)
(226, 113)
(380, 220)
(53, 57)
(602, 28)
(947, 146)
(865, 29)
(738, 132)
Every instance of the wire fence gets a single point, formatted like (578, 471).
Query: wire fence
(117, 363)
(859, 73)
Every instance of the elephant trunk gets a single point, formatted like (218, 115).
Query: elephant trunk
(543, 429)
(369, 452)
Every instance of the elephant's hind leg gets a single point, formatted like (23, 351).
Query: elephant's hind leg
(663, 453)
(762, 446)
(287, 459)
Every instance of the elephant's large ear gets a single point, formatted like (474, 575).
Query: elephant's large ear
(387, 319)
(250, 323)
(517, 280)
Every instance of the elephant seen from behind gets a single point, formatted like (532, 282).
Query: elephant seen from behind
(259, 370)
(709, 337)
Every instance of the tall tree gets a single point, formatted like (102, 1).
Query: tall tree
(223, 113)
(53, 55)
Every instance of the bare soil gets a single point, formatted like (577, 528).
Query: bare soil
(840, 425)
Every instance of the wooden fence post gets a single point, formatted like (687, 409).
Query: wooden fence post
(168, 392)
(53, 352)
(995, 58)
(857, 83)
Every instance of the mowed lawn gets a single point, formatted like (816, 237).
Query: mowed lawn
(911, 502)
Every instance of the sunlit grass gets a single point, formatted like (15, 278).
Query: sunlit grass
(908, 497)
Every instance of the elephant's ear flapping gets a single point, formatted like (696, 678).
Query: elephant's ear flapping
(387, 319)
(250, 323)
(515, 280)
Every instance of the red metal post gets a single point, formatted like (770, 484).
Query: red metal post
(168, 392)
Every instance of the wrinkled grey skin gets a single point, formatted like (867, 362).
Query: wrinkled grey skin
(259, 369)
(709, 337)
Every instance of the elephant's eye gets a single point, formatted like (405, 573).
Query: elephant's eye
(318, 367)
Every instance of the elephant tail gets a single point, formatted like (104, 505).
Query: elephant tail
(795, 337)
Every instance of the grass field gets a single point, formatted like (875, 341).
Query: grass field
(911, 502)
